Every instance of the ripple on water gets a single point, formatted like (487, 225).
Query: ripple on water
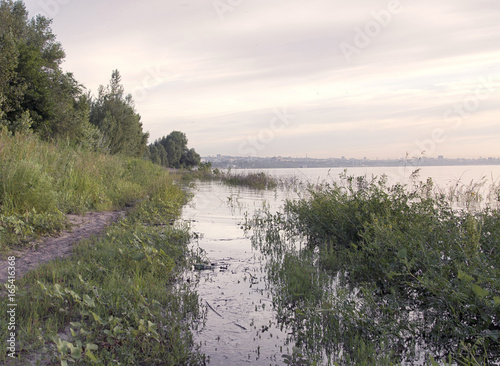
(240, 328)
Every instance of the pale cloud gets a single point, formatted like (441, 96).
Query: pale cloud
(218, 76)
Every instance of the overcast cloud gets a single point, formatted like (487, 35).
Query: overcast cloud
(294, 77)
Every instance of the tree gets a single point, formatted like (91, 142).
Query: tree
(176, 144)
(36, 93)
(114, 114)
(176, 152)
(191, 158)
(154, 155)
(13, 19)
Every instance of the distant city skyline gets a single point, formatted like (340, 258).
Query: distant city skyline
(257, 78)
(224, 161)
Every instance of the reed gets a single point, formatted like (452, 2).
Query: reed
(400, 272)
(254, 180)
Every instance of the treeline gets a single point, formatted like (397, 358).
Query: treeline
(37, 95)
(171, 151)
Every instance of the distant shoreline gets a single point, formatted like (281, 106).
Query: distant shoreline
(283, 163)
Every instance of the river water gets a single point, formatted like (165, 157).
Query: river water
(240, 327)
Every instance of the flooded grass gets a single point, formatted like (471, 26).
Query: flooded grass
(366, 273)
(253, 180)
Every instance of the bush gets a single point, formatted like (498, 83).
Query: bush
(409, 270)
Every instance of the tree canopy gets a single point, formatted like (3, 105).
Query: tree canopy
(37, 95)
(172, 151)
(114, 114)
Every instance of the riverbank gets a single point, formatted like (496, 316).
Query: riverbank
(119, 297)
(116, 299)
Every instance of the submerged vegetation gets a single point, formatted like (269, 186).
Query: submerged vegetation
(258, 180)
(255, 180)
(366, 273)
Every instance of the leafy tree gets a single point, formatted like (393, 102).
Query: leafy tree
(30, 58)
(171, 151)
(154, 155)
(114, 114)
(190, 158)
(34, 91)
(157, 154)
(12, 26)
(175, 145)
(162, 155)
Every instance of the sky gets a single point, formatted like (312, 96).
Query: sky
(315, 78)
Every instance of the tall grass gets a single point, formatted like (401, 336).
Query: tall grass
(40, 181)
(397, 271)
(118, 300)
(255, 180)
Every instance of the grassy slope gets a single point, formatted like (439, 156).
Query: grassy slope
(117, 298)
(39, 182)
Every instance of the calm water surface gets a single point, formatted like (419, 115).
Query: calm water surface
(240, 327)
(442, 175)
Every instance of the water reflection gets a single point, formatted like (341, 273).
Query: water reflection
(240, 326)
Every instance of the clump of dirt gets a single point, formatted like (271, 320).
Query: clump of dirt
(50, 248)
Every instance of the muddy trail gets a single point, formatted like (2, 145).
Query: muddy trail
(50, 248)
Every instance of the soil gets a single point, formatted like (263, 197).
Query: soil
(50, 248)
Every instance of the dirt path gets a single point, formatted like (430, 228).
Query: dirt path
(59, 247)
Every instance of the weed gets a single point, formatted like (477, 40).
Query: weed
(40, 182)
(386, 274)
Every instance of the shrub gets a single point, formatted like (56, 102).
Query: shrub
(398, 268)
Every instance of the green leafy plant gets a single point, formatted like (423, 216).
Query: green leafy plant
(360, 265)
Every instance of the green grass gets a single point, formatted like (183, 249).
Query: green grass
(396, 271)
(255, 180)
(40, 182)
(119, 298)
